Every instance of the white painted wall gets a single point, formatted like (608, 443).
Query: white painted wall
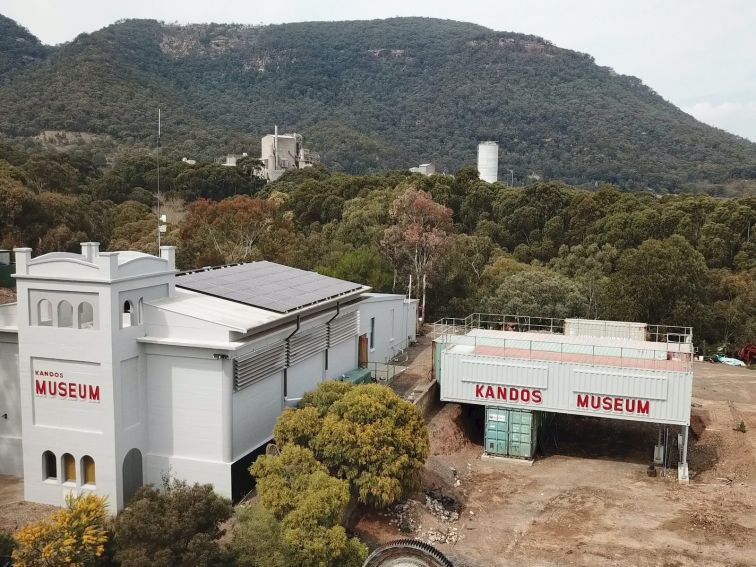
(184, 407)
(394, 324)
(255, 410)
(11, 456)
(305, 376)
(342, 358)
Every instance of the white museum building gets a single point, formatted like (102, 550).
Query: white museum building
(116, 368)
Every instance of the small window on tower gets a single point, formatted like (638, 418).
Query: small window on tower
(45, 313)
(86, 315)
(65, 314)
(129, 316)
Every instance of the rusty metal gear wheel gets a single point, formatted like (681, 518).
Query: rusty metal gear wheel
(407, 553)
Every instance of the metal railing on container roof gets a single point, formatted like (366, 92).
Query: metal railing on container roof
(530, 324)
(497, 322)
(457, 332)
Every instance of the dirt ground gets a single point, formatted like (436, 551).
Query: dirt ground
(591, 497)
(7, 295)
(14, 512)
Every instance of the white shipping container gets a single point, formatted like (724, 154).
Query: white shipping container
(639, 394)
(610, 329)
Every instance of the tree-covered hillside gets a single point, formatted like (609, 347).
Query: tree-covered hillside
(18, 49)
(546, 249)
(369, 96)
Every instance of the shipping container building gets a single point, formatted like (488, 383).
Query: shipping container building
(608, 369)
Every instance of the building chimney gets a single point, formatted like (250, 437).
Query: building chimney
(169, 253)
(108, 264)
(90, 250)
(23, 257)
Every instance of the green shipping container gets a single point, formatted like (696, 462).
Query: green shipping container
(438, 349)
(7, 269)
(357, 376)
(511, 432)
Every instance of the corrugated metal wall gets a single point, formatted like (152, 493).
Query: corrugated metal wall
(512, 433)
(614, 392)
(596, 328)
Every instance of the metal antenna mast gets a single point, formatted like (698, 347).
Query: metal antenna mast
(158, 183)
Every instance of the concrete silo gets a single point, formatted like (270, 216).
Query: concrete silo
(488, 161)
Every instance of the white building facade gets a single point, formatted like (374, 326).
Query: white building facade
(116, 369)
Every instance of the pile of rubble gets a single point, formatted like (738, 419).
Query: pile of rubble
(449, 535)
(401, 516)
(442, 507)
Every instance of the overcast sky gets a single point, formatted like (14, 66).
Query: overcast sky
(698, 54)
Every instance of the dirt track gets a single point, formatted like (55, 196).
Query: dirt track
(591, 501)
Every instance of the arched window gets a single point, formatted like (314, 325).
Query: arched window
(44, 313)
(69, 468)
(87, 470)
(49, 465)
(65, 314)
(86, 315)
(129, 316)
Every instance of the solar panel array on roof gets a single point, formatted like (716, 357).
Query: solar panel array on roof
(266, 285)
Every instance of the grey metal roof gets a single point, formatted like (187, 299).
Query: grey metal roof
(267, 285)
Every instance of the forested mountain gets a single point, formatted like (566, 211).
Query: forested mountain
(367, 95)
(18, 49)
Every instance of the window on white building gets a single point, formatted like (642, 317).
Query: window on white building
(87, 470)
(44, 313)
(86, 315)
(129, 315)
(65, 314)
(69, 468)
(372, 332)
(49, 465)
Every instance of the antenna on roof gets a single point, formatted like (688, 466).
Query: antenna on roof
(161, 218)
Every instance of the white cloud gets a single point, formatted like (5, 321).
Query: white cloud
(736, 117)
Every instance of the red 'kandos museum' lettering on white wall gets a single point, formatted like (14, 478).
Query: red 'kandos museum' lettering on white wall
(508, 394)
(613, 404)
(62, 389)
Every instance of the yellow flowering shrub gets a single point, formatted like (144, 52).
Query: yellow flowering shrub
(74, 536)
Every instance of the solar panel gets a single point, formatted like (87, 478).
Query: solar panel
(266, 285)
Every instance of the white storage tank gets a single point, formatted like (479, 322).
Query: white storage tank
(488, 161)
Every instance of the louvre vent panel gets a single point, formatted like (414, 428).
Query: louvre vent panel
(254, 366)
(302, 346)
(342, 328)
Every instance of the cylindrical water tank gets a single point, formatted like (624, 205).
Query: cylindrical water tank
(488, 161)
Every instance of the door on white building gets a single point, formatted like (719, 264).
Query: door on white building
(362, 352)
(132, 474)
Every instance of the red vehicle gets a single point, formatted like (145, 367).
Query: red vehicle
(748, 353)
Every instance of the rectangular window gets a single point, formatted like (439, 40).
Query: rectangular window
(372, 332)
